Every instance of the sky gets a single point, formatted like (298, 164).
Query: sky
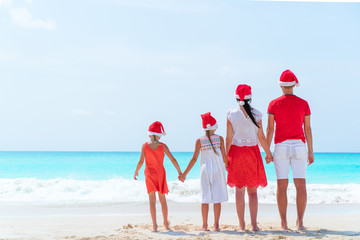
(93, 75)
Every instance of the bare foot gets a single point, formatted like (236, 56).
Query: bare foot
(255, 228)
(154, 229)
(204, 229)
(166, 225)
(217, 228)
(242, 226)
(284, 226)
(300, 225)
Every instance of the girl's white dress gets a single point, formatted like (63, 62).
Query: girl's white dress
(212, 171)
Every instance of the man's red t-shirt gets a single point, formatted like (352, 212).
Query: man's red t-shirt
(289, 112)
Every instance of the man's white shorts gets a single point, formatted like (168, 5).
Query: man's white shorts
(290, 153)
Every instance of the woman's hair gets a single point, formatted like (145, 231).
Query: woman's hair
(209, 137)
(154, 139)
(248, 109)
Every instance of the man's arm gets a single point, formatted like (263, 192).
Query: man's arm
(308, 136)
(270, 129)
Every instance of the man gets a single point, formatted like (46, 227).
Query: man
(292, 117)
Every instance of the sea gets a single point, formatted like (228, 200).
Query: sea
(103, 178)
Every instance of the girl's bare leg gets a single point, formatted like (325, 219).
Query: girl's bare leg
(217, 211)
(253, 205)
(204, 213)
(164, 209)
(152, 202)
(240, 206)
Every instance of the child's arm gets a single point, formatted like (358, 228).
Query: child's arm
(173, 160)
(193, 159)
(264, 143)
(222, 148)
(229, 135)
(141, 162)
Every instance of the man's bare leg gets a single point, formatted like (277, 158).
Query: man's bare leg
(301, 198)
(281, 195)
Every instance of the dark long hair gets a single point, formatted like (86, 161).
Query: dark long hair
(248, 109)
(154, 139)
(209, 137)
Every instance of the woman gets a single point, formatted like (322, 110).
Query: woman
(246, 169)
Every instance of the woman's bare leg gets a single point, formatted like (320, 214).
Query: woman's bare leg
(253, 205)
(240, 206)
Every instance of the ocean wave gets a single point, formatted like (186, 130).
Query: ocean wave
(63, 191)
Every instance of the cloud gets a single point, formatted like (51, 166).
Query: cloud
(107, 112)
(327, 1)
(80, 112)
(4, 3)
(23, 18)
(173, 71)
(171, 5)
(225, 70)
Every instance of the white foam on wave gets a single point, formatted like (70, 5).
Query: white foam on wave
(117, 190)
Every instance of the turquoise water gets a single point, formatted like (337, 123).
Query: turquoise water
(329, 168)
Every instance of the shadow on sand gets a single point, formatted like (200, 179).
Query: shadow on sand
(289, 233)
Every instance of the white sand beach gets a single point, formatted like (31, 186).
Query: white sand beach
(131, 221)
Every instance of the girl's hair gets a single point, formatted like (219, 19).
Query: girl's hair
(209, 137)
(154, 139)
(248, 109)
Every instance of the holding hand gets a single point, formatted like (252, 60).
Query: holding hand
(269, 158)
(182, 177)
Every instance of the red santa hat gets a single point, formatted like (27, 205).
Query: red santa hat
(208, 122)
(156, 128)
(288, 79)
(243, 92)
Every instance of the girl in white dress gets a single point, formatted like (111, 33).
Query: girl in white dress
(213, 162)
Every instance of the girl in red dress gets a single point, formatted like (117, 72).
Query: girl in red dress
(153, 152)
(245, 166)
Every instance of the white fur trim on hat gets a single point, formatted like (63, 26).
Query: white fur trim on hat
(209, 127)
(156, 134)
(241, 102)
(247, 97)
(289, 84)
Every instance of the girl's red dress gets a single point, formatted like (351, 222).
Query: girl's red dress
(246, 168)
(155, 176)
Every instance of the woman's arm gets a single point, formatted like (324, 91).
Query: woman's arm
(264, 143)
(172, 159)
(270, 129)
(224, 155)
(308, 136)
(141, 162)
(193, 159)
(229, 136)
